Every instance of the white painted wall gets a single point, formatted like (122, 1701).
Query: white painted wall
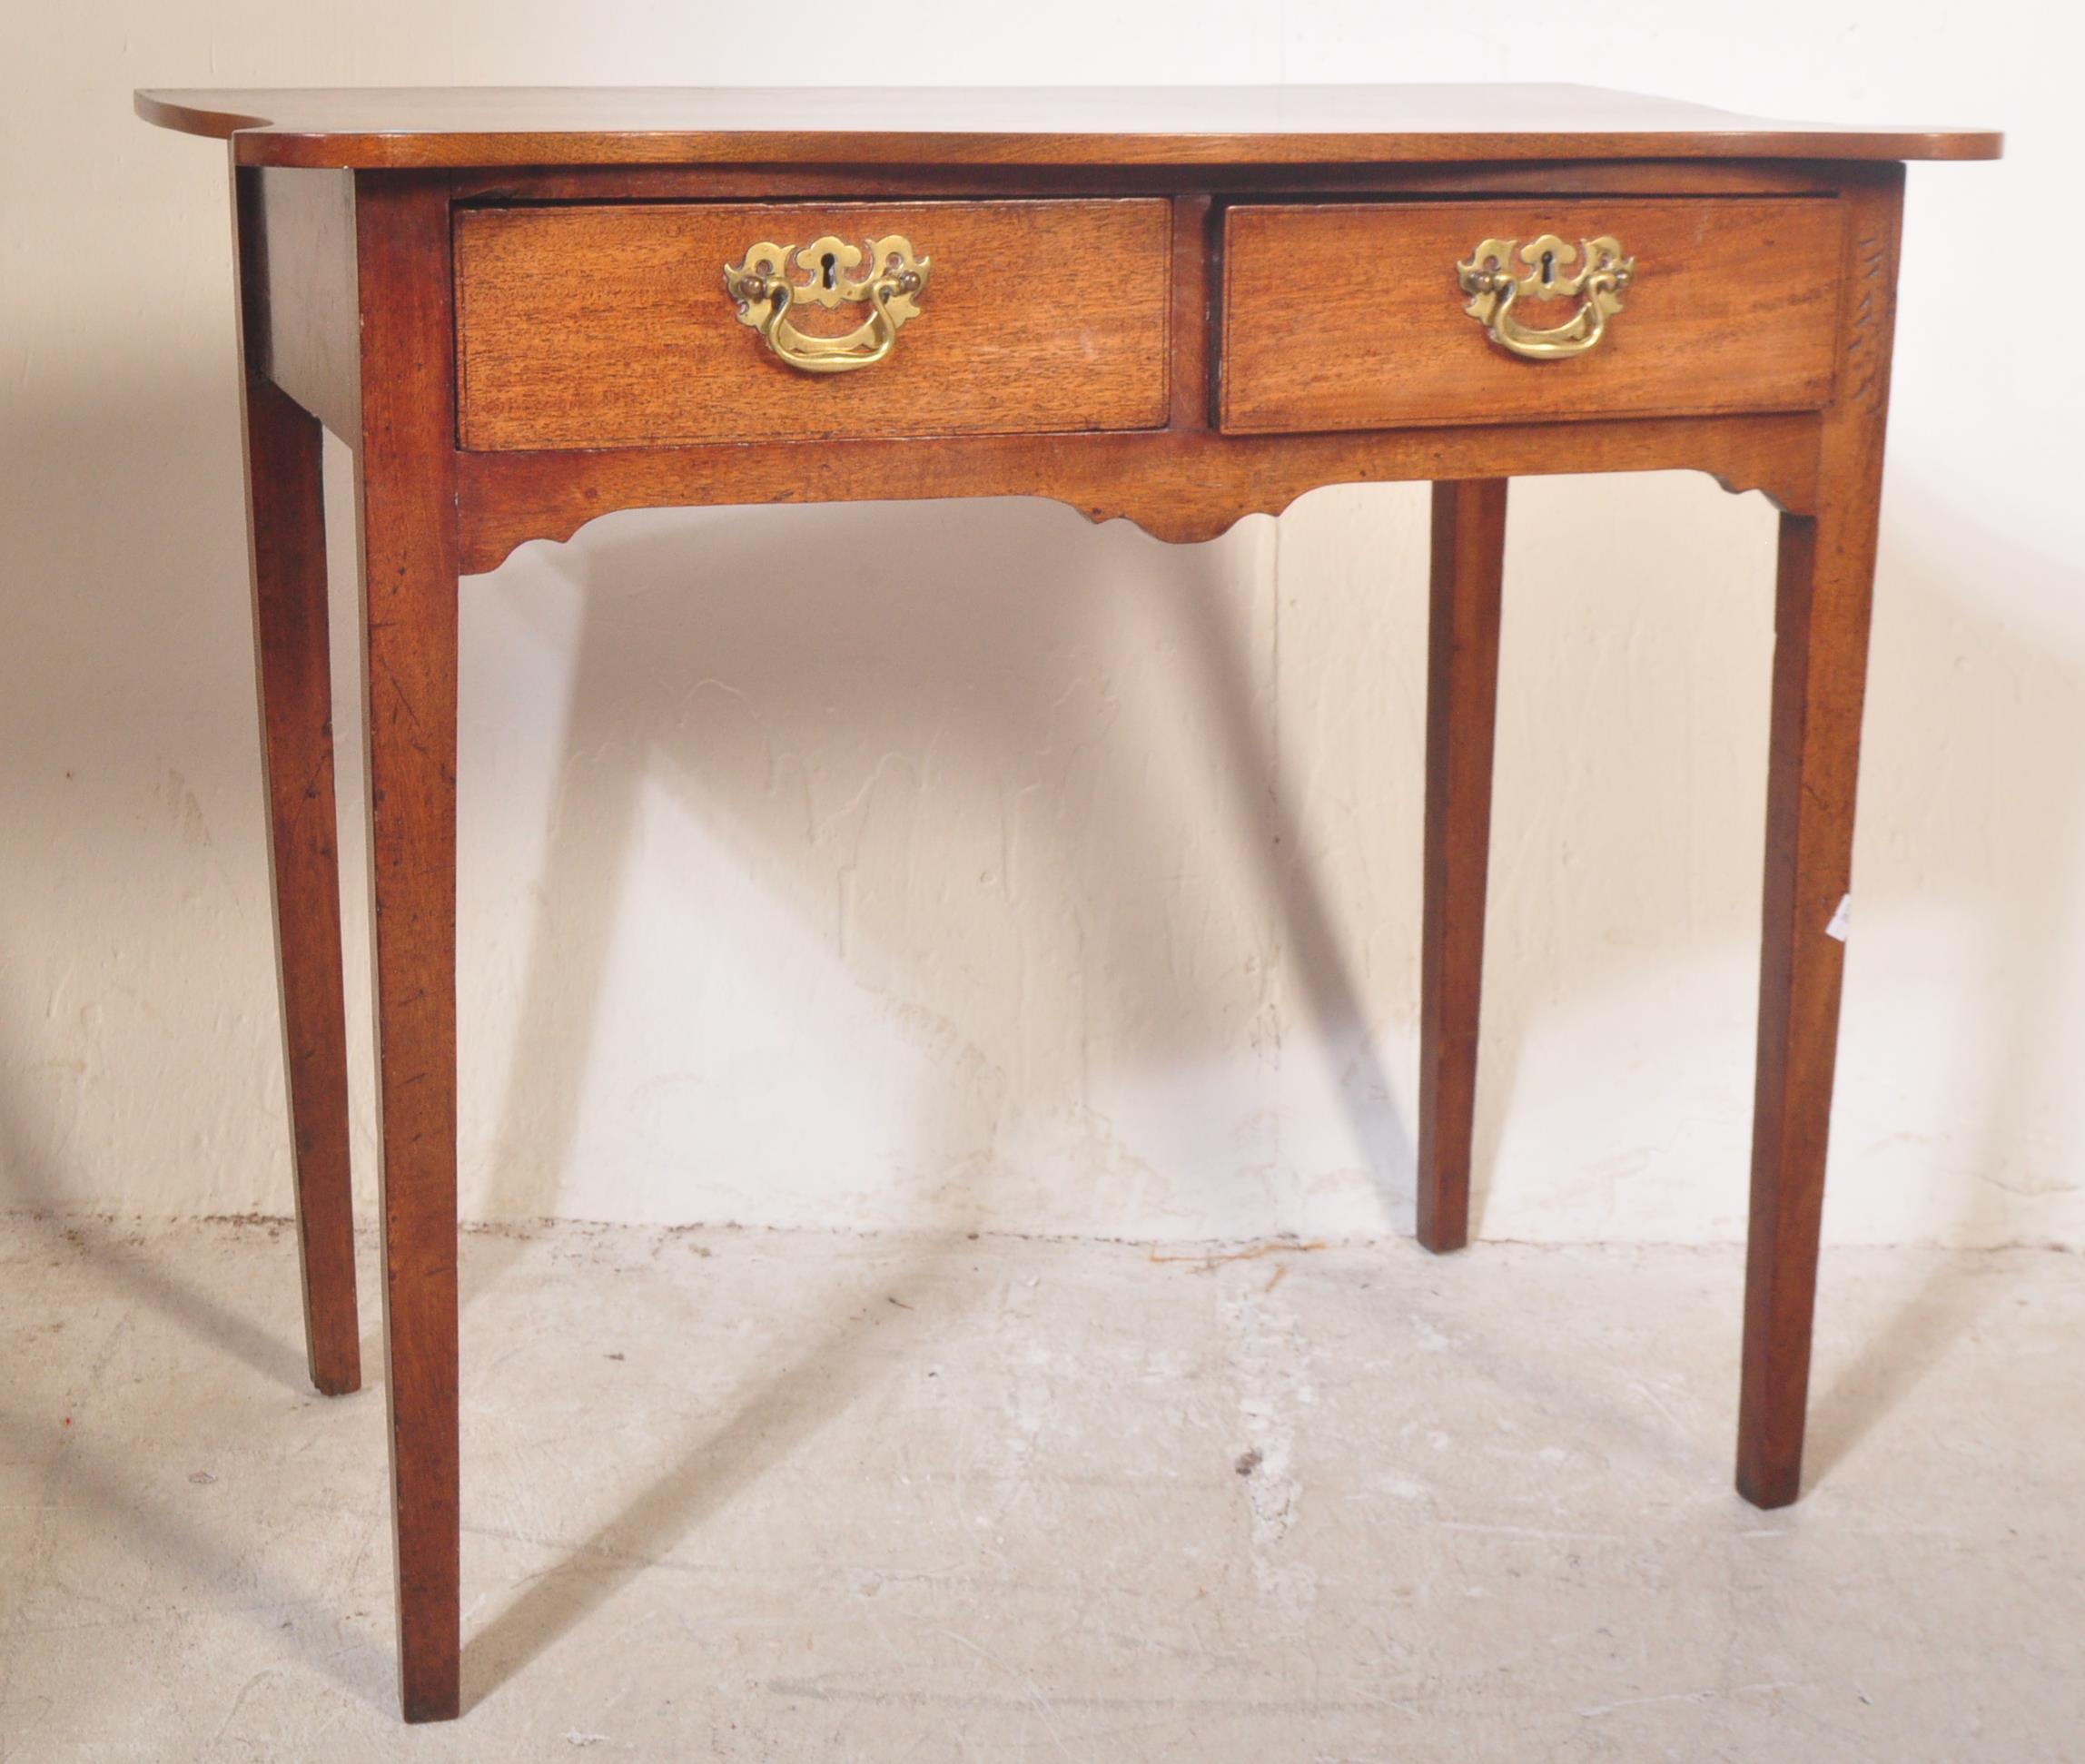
(899, 865)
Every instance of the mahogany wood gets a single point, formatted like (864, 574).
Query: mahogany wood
(377, 354)
(1105, 125)
(286, 534)
(1193, 245)
(1824, 591)
(607, 325)
(300, 229)
(1180, 484)
(1346, 316)
(1462, 696)
(407, 462)
(496, 185)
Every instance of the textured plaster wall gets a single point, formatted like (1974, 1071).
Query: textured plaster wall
(908, 865)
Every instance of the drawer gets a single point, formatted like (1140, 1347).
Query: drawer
(608, 325)
(1351, 316)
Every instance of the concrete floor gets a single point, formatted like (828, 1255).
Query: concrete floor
(755, 1495)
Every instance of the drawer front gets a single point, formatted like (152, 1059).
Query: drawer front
(609, 325)
(1351, 316)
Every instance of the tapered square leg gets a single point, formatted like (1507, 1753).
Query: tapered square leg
(1462, 696)
(409, 623)
(1820, 639)
(1824, 588)
(287, 532)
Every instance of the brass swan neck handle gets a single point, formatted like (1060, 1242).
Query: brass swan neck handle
(1495, 286)
(771, 280)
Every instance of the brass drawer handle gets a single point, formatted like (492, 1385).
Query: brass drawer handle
(886, 272)
(1489, 280)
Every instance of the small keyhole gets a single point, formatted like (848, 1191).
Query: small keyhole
(828, 262)
(1548, 268)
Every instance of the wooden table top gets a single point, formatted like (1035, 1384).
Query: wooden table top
(465, 126)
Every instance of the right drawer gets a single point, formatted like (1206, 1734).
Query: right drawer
(1353, 315)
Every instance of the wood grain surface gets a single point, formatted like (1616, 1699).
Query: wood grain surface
(407, 459)
(1107, 125)
(1348, 315)
(608, 325)
(1177, 485)
(286, 529)
(1824, 591)
(298, 232)
(1462, 698)
(1550, 179)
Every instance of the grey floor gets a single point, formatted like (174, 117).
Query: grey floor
(754, 1496)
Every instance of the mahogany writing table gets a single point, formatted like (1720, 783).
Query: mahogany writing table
(523, 309)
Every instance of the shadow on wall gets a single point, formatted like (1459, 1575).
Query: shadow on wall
(1600, 849)
(718, 655)
(1024, 790)
(936, 736)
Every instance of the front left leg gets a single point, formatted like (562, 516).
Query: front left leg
(410, 620)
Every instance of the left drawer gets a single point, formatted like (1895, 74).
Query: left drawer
(609, 325)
